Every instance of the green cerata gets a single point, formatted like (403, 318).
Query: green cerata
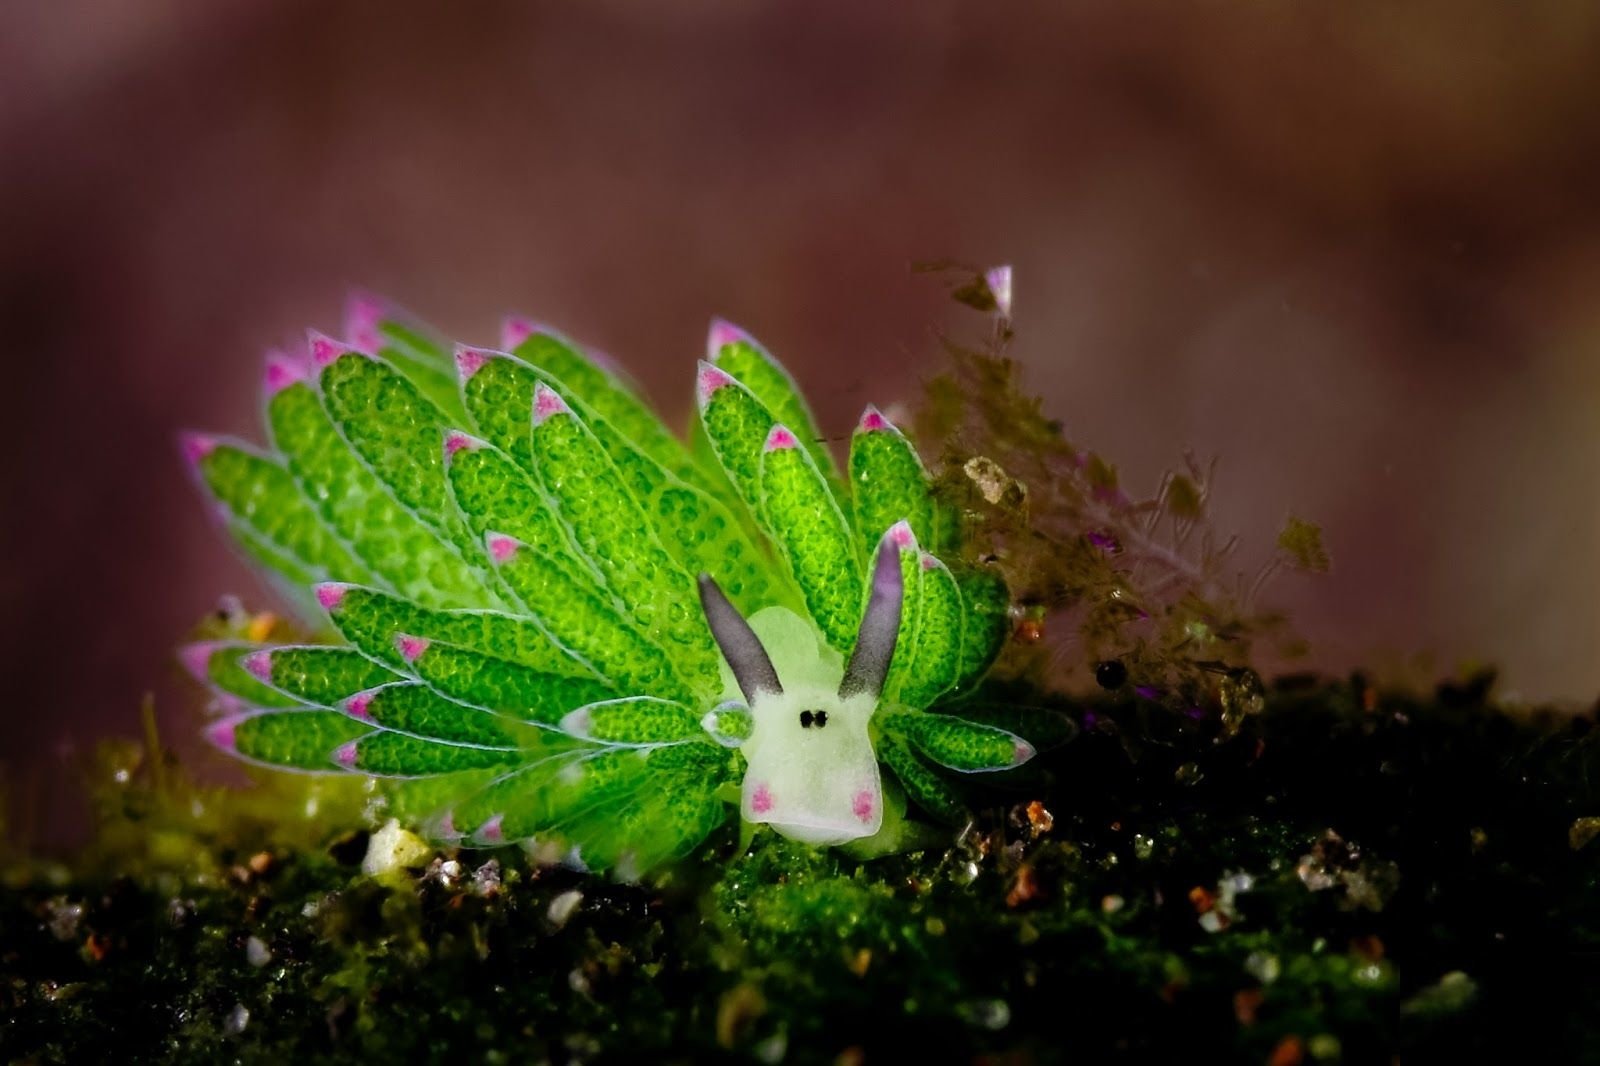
(544, 618)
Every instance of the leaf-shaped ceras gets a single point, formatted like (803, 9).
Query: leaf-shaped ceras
(541, 616)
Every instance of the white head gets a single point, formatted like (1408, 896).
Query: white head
(811, 772)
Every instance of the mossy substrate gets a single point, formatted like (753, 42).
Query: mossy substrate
(1344, 876)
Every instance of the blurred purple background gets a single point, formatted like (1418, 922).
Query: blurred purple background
(1352, 249)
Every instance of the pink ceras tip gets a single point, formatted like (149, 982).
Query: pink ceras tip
(547, 404)
(363, 313)
(196, 659)
(346, 755)
(222, 735)
(710, 380)
(930, 562)
(331, 594)
(359, 706)
(722, 334)
(280, 373)
(501, 547)
(258, 664)
(196, 446)
(470, 360)
(999, 281)
(900, 535)
(411, 648)
(872, 421)
(515, 329)
(492, 831)
(1021, 752)
(780, 439)
(324, 349)
(455, 442)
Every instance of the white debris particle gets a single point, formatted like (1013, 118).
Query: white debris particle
(392, 848)
(562, 906)
(256, 952)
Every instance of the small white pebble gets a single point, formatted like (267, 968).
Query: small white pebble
(238, 1018)
(392, 848)
(256, 952)
(562, 906)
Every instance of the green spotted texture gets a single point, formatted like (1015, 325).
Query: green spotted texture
(614, 531)
(903, 668)
(635, 720)
(736, 425)
(392, 541)
(261, 496)
(371, 619)
(887, 482)
(731, 723)
(811, 532)
(751, 365)
(935, 637)
(415, 709)
(225, 672)
(498, 684)
(386, 754)
(591, 625)
(923, 786)
(322, 674)
(959, 745)
(507, 630)
(301, 740)
(497, 495)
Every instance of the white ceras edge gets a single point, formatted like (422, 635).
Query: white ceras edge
(810, 771)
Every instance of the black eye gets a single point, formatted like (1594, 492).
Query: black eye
(822, 719)
(805, 719)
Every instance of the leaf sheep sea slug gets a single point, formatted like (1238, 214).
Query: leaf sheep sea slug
(559, 624)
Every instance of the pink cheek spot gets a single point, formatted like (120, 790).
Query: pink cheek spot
(761, 800)
(864, 804)
(501, 547)
(346, 755)
(331, 594)
(710, 380)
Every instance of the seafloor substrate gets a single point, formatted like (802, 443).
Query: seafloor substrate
(1346, 876)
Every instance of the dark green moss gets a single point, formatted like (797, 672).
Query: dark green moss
(1341, 876)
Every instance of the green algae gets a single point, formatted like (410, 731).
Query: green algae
(1345, 876)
